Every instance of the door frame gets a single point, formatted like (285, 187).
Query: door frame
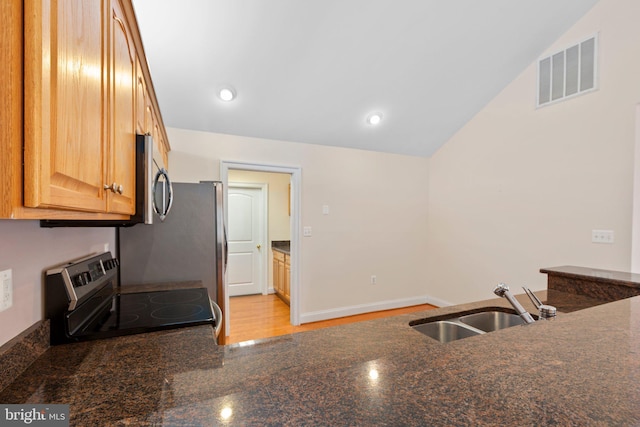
(264, 227)
(296, 180)
(635, 213)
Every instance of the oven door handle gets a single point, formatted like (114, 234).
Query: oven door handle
(217, 314)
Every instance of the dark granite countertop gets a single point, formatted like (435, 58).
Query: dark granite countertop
(283, 246)
(583, 368)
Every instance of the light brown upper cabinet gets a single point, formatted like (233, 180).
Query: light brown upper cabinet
(11, 104)
(148, 120)
(84, 70)
(121, 154)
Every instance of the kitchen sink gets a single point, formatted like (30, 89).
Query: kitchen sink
(445, 330)
(490, 321)
(455, 326)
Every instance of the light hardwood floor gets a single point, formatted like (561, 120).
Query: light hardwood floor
(262, 316)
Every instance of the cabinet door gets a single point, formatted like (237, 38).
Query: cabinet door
(149, 115)
(64, 122)
(122, 85)
(281, 278)
(161, 144)
(287, 278)
(11, 107)
(275, 273)
(141, 100)
(122, 90)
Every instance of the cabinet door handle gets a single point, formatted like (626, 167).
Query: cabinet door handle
(258, 246)
(113, 187)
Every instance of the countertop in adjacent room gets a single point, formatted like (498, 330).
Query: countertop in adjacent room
(283, 246)
(583, 368)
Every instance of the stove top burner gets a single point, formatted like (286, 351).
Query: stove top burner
(127, 319)
(184, 296)
(176, 312)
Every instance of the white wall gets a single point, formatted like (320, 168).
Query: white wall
(520, 188)
(29, 251)
(377, 221)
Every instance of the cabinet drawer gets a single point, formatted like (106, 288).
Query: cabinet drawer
(278, 256)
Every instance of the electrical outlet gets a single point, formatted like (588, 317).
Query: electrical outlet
(374, 279)
(306, 231)
(6, 290)
(602, 236)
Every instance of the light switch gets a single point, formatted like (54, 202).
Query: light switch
(325, 209)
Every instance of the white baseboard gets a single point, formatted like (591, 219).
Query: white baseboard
(438, 302)
(368, 308)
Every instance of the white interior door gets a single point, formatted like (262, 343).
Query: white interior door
(246, 241)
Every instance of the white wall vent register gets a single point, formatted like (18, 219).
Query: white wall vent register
(568, 73)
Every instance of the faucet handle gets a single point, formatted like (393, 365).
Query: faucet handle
(547, 311)
(534, 299)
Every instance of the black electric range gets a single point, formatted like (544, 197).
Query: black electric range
(83, 303)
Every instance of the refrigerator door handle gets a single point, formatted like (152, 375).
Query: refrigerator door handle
(217, 314)
(226, 249)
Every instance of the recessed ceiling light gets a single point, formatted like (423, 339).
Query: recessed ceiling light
(227, 93)
(374, 118)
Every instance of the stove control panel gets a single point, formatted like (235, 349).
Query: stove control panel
(84, 277)
(94, 271)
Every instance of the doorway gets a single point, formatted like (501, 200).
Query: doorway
(635, 220)
(288, 201)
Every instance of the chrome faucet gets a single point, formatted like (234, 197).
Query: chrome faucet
(502, 290)
(544, 311)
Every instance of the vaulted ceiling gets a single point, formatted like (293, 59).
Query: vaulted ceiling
(312, 71)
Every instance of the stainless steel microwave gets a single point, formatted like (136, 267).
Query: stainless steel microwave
(154, 193)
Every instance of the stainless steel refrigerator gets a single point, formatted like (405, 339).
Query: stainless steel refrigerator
(190, 244)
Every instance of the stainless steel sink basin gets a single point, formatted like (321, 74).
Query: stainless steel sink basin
(455, 326)
(490, 321)
(445, 331)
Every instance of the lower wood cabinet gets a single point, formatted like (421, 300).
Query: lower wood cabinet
(282, 275)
